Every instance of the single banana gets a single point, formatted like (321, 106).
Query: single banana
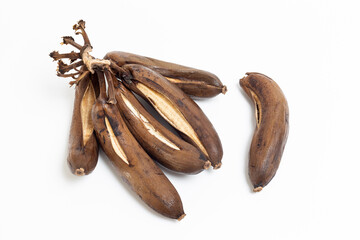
(272, 127)
(136, 168)
(83, 148)
(194, 82)
(178, 109)
(164, 146)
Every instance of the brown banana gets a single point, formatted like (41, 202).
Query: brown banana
(164, 146)
(272, 127)
(136, 168)
(83, 148)
(177, 108)
(194, 82)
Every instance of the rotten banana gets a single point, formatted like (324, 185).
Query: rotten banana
(194, 82)
(136, 168)
(83, 148)
(178, 109)
(272, 127)
(163, 145)
(106, 112)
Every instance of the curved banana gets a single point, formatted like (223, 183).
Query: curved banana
(193, 82)
(272, 127)
(178, 109)
(164, 146)
(83, 148)
(136, 168)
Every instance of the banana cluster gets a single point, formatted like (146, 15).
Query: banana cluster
(108, 113)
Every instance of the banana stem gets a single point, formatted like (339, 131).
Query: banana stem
(120, 72)
(63, 68)
(81, 77)
(81, 26)
(102, 85)
(71, 41)
(67, 75)
(89, 64)
(73, 56)
(93, 63)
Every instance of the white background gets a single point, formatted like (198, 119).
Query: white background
(310, 48)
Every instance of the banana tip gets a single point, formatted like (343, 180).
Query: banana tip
(80, 172)
(257, 189)
(217, 166)
(241, 81)
(181, 217)
(224, 89)
(207, 164)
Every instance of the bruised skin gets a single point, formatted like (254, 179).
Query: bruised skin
(164, 146)
(193, 82)
(133, 164)
(272, 127)
(178, 109)
(83, 148)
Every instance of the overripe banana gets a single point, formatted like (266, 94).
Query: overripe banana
(100, 121)
(136, 168)
(83, 148)
(194, 82)
(177, 108)
(164, 146)
(272, 127)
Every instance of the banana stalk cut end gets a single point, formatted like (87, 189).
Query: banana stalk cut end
(80, 172)
(181, 217)
(224, 89)
(217, 166)
(207, 164)
(257, 189)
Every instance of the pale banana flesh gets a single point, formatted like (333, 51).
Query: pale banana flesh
(115, 143)
(86, 105)
(148, 125)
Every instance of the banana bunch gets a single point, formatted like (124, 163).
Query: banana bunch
(108, 113)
